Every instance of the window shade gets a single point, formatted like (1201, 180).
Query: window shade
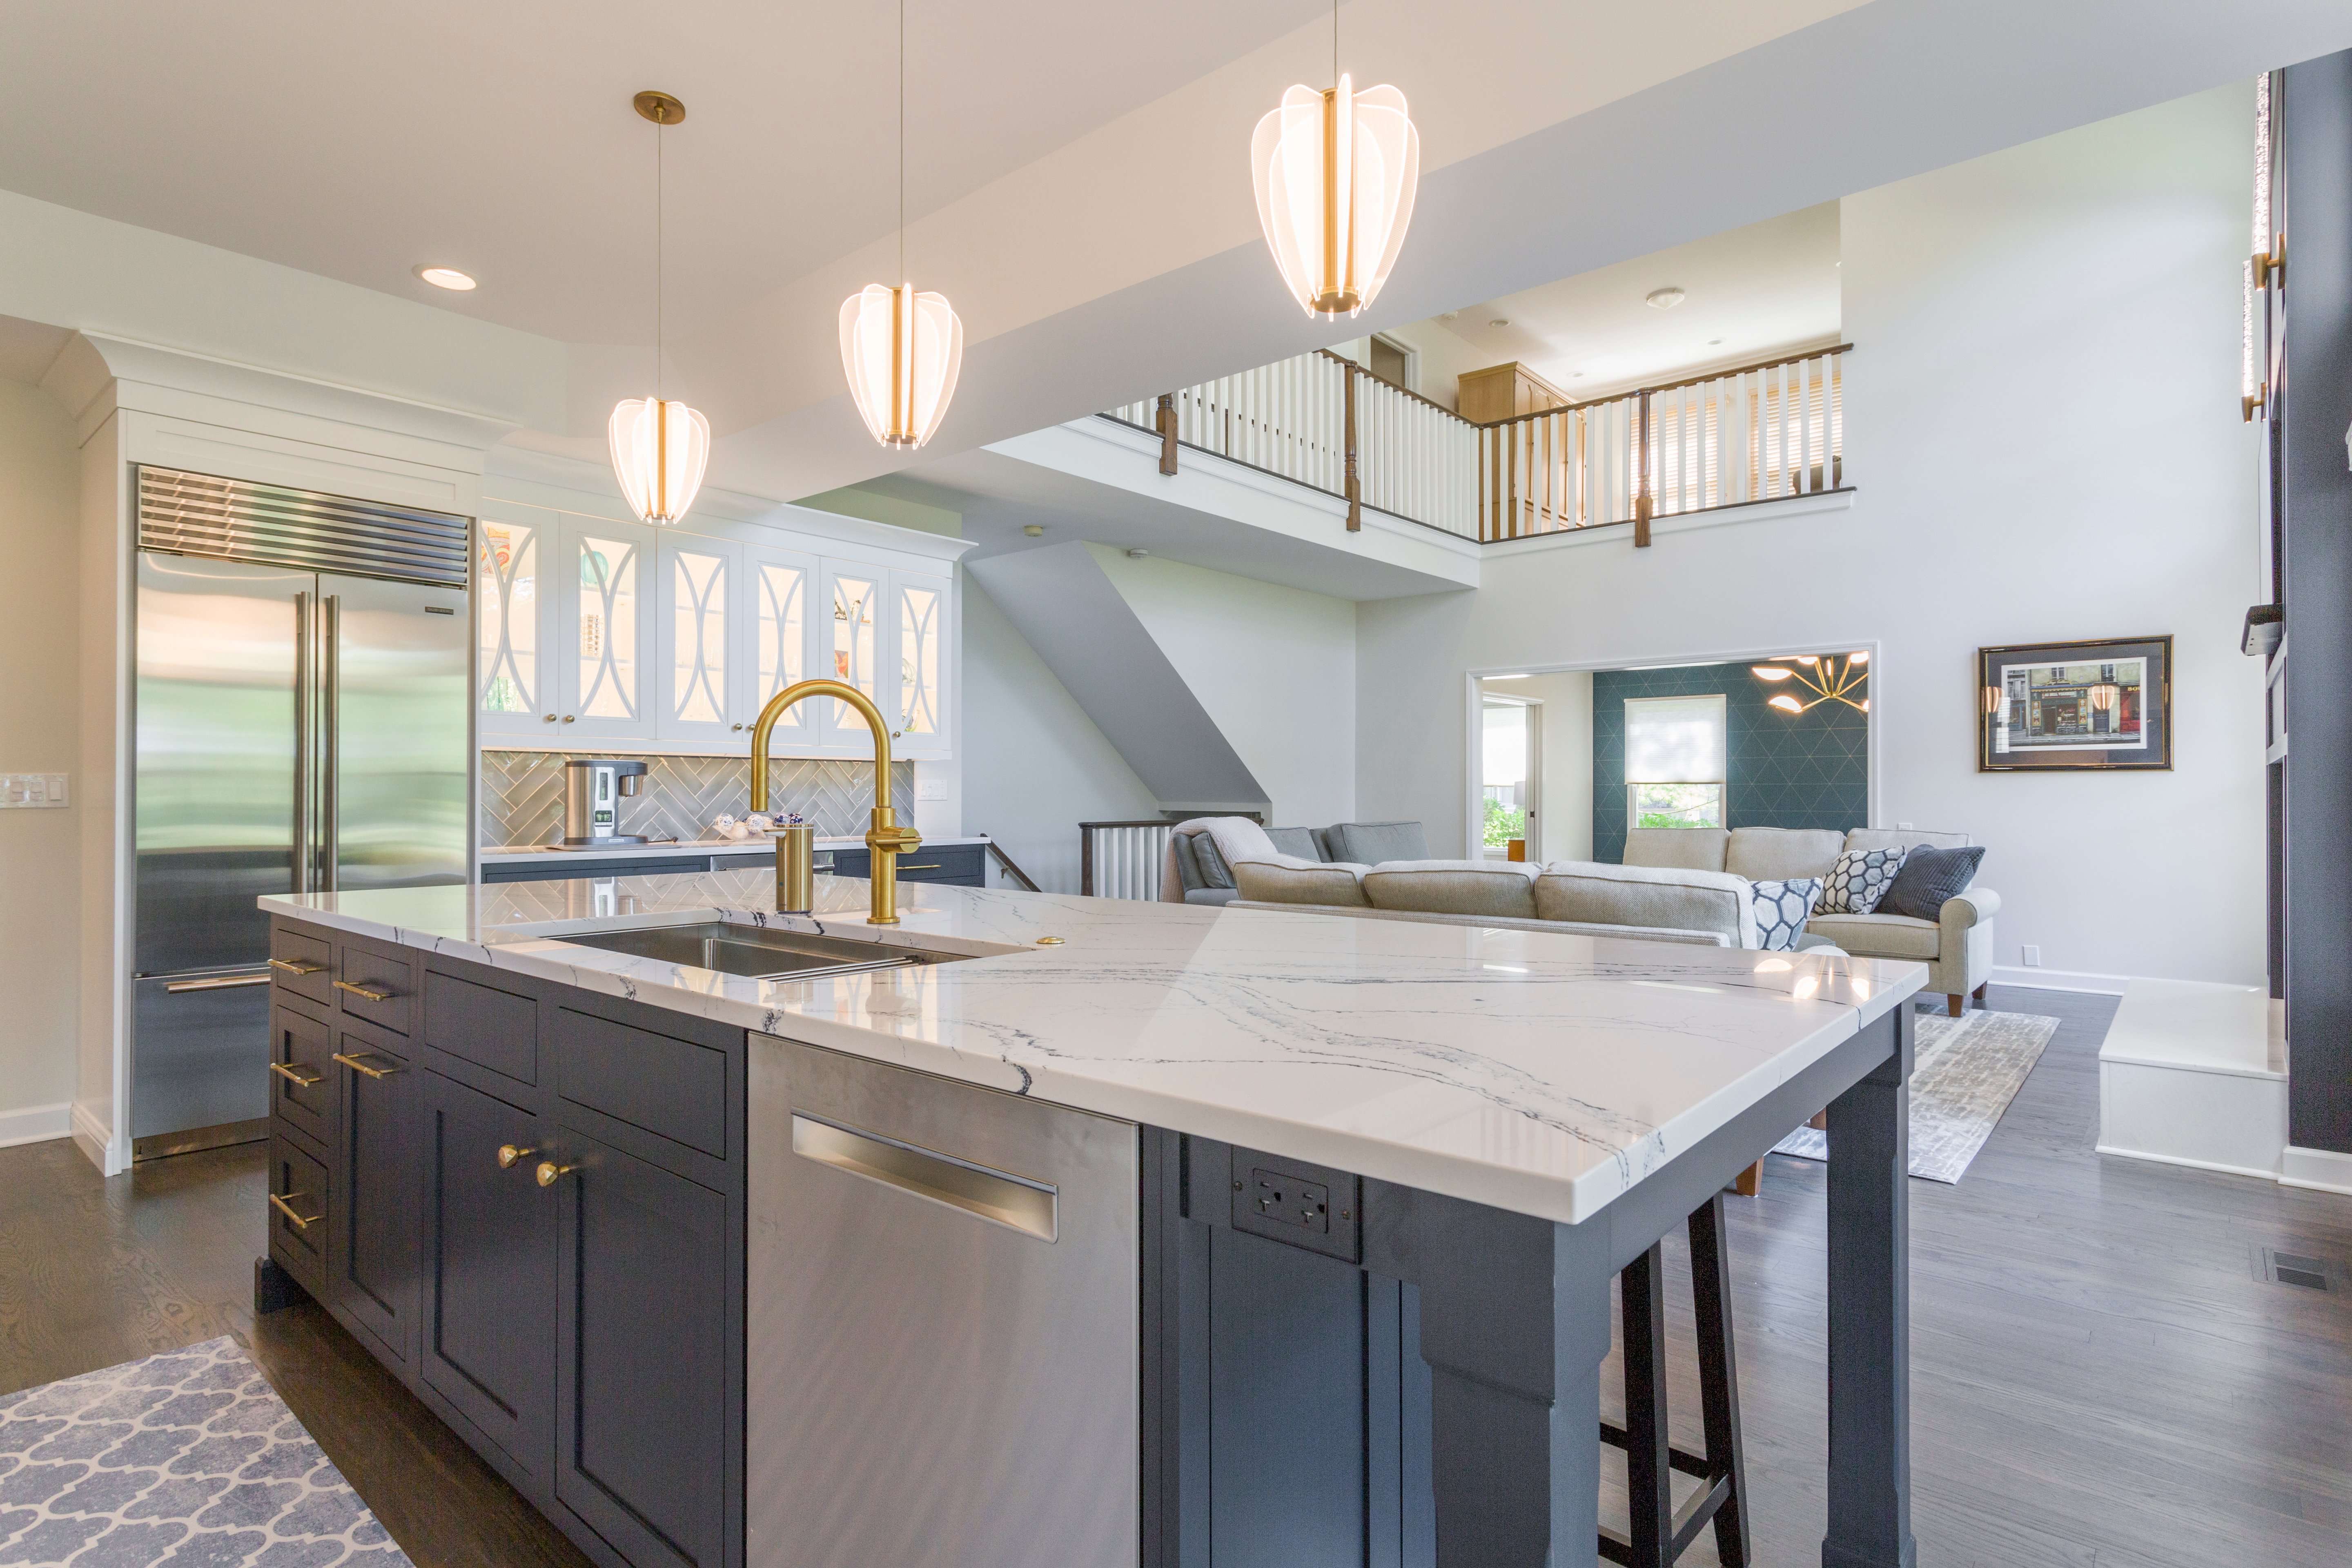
(1674, 740)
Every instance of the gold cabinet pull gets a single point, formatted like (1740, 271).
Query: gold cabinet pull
(510, 1156)
(291, 1075)
(369, 992)
(285, 1207)
(933, 866)
(291, 967)
(548, 1170)
(358, 1065)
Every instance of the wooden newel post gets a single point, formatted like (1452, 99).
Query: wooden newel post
(1355, 492)
(1165, 421)
(1644, 503)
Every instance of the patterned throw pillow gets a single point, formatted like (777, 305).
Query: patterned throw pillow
(1859, 879)
(1782, 911)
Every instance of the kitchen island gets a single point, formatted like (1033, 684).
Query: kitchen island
(1363, 1186)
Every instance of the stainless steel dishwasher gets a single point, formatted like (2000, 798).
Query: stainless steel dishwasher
(941, 1317)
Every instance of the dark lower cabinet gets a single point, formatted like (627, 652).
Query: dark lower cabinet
(643, 1361)
(371, 1251)
(490, 1233)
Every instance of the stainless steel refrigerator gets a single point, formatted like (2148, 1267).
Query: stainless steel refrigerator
(304, 711)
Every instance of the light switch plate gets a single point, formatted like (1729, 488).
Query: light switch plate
(31, 792)
(931, 789)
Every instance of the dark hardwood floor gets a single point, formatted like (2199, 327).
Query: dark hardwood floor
(2100, 1379)
(96, 1272)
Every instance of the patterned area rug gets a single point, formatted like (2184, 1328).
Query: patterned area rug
(1964, 1073)
(188, 1459)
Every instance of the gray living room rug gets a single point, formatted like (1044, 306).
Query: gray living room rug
(188, 1457)
(1964, 1073)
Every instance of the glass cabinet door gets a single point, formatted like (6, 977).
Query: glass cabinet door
(517, 696)
(923, 657)
(698, 695)
(607, 571)
(784, 622)
(849, 637)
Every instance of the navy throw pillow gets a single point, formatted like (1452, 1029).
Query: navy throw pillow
(1929, 875)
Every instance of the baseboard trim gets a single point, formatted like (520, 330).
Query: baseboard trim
(2192, 1164)
(2059, 980)
(2321, 1170)
(93, 1138)
(36, 1124)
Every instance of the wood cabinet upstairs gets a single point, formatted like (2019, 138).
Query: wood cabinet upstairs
(1501, 391)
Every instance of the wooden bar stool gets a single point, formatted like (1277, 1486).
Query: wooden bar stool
(1661, 1532)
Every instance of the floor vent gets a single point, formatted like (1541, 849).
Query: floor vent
(2291, 1268)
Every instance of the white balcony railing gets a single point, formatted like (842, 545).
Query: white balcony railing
(1754, 433)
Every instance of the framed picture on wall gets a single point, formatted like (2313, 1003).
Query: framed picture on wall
(2068, 706)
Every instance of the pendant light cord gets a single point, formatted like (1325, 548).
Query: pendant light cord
(657, 261)
(902, 144)
(1335, 45)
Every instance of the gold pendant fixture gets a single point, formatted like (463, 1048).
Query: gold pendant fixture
(901, 350)
(1831, 678)
(1336, 172)
(659, 446)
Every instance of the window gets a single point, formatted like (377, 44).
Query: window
(1674, 751)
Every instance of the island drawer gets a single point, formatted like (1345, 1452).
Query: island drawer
(303, 1072)
(480, 1024)
(377, 987)
(298, 1214)
(671, 1088)
(301, 963)
(956, 864)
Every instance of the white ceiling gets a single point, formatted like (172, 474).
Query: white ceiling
(1748, 293)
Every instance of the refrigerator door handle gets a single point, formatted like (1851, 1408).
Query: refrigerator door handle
(331, 760)
(301, 742)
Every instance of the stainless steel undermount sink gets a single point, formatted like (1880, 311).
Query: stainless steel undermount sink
(760, 952)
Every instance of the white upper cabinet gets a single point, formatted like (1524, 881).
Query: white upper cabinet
(515, 626)
(922, 606)
(605, 633)
(783, 624)
(700, 692)
(853, 648)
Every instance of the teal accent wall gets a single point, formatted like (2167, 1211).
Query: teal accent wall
(1807, 770)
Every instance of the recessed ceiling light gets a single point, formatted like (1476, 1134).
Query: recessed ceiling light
(1664, 298)
(447, 277)
(1500, 322)
(1714, 342)
(1574, 375)
(1449, 315)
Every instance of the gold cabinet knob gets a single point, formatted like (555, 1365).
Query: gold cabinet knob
(509, 1155)
(548, 1170)
(567, 717)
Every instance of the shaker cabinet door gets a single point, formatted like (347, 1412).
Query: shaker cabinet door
(372, 1248)
(488, 1275)
(605, 582)
(514, 549)
(923, 608)
(698, 692)
(644, 1449)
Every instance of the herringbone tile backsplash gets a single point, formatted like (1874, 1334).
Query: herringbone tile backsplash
(523, 795)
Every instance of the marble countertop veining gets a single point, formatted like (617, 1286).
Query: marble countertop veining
(757, 842)
(1537, 1072)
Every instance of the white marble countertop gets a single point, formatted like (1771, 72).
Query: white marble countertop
(1535, 1072)
(757, 843)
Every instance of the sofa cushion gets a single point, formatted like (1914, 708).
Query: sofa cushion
(1685, 848)
(1211, 895)
(1929, 875)
(1771, 854)
(1783, 907)
(1188, 862)
(1859, 879)
(1299, 842)
(1501, 888)
(1500, 923)
(1879, 936)
(1293, 879)
(1676, 898)
(1370, 843)
(1901, 838)
(1214, 872)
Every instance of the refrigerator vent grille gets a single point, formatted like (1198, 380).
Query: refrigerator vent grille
(198, 514)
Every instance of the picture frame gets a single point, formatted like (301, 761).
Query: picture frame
(2101, 706)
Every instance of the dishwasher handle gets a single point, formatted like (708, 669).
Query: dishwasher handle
(1000, 1197)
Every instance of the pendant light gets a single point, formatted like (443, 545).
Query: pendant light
(1336, 173)
(659, 446)
(901, 349)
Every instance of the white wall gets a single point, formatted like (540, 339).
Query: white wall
(2042, 425)
(1564, 814)
(1275, 667)
(1033, 765)
(39, 850)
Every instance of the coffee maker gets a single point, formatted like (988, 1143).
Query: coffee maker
(593, 788)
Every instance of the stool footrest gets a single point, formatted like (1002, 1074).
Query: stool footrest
(1682, 1460)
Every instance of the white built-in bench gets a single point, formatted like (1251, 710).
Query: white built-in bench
(2195, 1074)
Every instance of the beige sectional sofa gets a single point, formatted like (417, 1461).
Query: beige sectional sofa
(1957, 947)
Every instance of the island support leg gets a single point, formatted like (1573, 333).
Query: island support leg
(1513, 1326)
(1870, 1316)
